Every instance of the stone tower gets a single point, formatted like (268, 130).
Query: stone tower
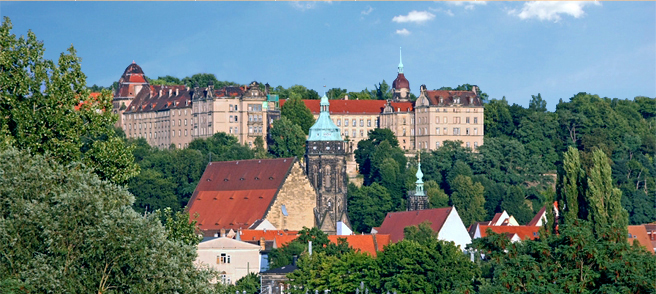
(325, 159)
(417, 199)
(401, 85)
(129, 85)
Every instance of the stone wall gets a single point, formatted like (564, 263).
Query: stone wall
(299, 198)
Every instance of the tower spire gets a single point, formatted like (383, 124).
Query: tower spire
(400, 62)
(419, 184)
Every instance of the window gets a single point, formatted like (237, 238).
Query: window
(339, 122)
(226, 280)
(362, 122)
(172, 133)
(445, 120)
(236, 108)
(475, 131)
(150, 135)
(475, 120)
(437, 131)
(231, 108)
(403, 120)
(179, 145)
(445, 131)
(467, 131)
(353, 133)
(426, 133)
(475, 144)
(185, 133)
(404, 131)
(468, 145)
(437, 144)
(456, 131)
(185, 121)
(185, 112)
(354, 123)
(412, 121)
(361, 133)
(412, 132)
(369, 122)
(250, 130)
(346, 122)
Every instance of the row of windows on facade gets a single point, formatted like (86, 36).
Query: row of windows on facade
(162, 134)
(150, 125)
(445, 120)
(456, 131)
(424, 145)
(355, 121)
(235, 107)
(150, 114)
(457, 110)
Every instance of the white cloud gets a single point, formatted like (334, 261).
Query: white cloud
(468, 4)
(447, 12)
(414, 16)
(369, 10)
(403, 32)
(551, 10)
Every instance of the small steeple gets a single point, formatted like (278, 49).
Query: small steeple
(400, 62)
(419, 184)
(324, 129)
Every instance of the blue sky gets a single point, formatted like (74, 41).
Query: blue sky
(511, 49)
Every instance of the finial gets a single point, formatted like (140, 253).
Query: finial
(400, 62)
(133, 61)
(419, 155)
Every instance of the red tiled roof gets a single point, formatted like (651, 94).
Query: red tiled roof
(284, 240)
(365, 243)
(496, 218)
(234, 194)
(537, 217)
(269, 235)
(395, 222)
(524, 232)
(640, 233)
(355, 106)
(93, 96)
(400, 82)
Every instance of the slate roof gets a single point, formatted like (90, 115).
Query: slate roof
(355, 106)
(640, 233)
(395, 222)
(449, 97)
(235, 194)
(523, 232)
(281, 270)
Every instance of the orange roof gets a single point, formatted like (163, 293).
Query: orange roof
(365, 243)
(524, 232)
(234, 194)
(284, 240)
(395, 222)
(93, 95)
(355, 106)
(640, 233)
(269, 235)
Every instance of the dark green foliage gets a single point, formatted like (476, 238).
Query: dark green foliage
(296, 91)
(422, 233)
(286, 139)
(336, 93)
(515, 204)
(468, 199)
(249, 284)
(38, 101)
(368, 206)
(295, 111)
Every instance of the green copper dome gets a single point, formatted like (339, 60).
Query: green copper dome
(324, 129)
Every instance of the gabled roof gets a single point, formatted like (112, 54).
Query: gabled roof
(283, 240)
(156, 98)
(225, 243)
(396, 222)
(536, 219)
(235, 194)
(340, 107)
(523, 232)
(250, 235)
(640, 233)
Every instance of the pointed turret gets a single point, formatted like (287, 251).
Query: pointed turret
(400, 86)
(417, 199)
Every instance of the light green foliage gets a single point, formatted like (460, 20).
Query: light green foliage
(296, 91)
(422, 233)
(341, 274)
(249, 283)
(260, 151)
(63, 228)
(284, 255)
(468, 199)
(436, 196)
(430, 267)
(286, 139)
(295, 111)
(368, 206)
(570, 187)
(38, 92)
(178, 227)
(604, 201)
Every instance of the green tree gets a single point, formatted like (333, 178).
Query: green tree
(382, 91)
(178, 227)
(436, 196)
(260, 151)
(570, 188)
(222, 147)
(249, 284)
(422, 233)
(430, 267)
(366, 148)
(284, 255)
(72, 125)
(295, 111)
(368, 206)
(341, 274)
(515, 204)
(68, 230)
(286, 139)
(336, 93)
(537, 104)
(604, 200)
(468, 199)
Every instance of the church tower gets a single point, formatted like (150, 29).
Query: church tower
(417, 199)
(325, 159)
(400, 86)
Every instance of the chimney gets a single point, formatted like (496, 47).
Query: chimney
(160, 91)
(266, 88)
(170, 91)
(295, 259)
(216, 234)
(262, 244)
(475, 89)
(177, 92)
(345, 97)
(222, 232)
